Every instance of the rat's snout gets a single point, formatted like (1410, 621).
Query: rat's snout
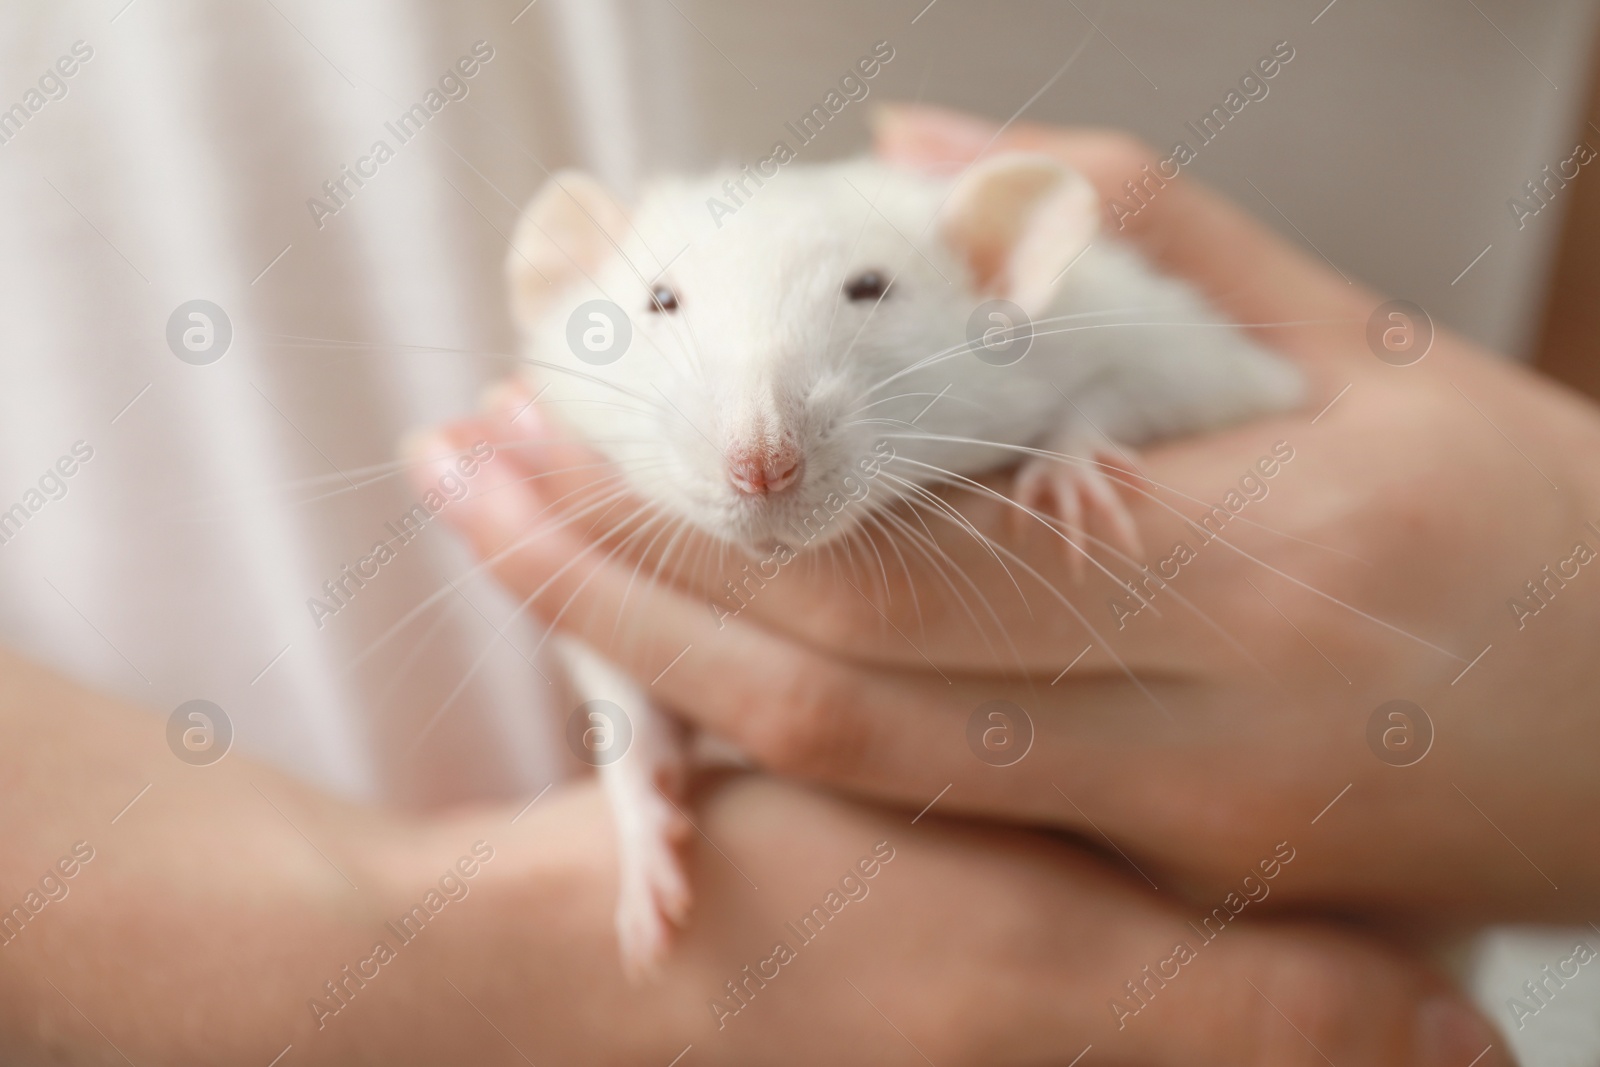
(758, 469)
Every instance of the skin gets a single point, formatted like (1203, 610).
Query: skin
(207, 917)
(217, 904)
(1378, 567)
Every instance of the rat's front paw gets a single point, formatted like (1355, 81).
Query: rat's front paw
(1077, 487)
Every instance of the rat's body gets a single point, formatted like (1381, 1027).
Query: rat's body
(777, 348)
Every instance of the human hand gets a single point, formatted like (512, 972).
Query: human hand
(1235, 707)
(229, 914)
(968, 945)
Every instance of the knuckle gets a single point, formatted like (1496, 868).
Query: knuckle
(803, 725)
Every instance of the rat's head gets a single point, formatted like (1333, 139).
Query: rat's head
(782, 331)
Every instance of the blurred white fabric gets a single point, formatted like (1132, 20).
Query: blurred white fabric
(179, 163)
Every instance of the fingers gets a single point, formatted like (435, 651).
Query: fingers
(1183, 226)
(1308, 997)
(794, 710)
(1293, 996)
(718, 669)
(984, 589)
(1081, 955)
(574, 480)
(579, 483)
(935, 569)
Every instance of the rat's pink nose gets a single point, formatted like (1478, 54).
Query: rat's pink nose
(763, 469)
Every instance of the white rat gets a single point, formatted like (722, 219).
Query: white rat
(785, 330)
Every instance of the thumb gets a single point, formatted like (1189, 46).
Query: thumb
(495, 506)
(526, 483)
(562, 556)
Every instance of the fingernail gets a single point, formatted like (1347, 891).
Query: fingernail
(1451, 1034)
(477, 496)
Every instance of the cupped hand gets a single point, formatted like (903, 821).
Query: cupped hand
(230, 914)
(1230, 690)
(907, 944)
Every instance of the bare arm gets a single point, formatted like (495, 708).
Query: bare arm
(212, 908)
(214, 912)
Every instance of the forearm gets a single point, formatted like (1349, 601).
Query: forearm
(217, 922)
(198, 927)
(230, 911)
(215, 910)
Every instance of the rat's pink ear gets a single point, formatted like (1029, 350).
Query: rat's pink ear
(566, 232)
(1019, 219)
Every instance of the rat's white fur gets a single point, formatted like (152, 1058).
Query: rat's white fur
(765, 347)
(764, 352)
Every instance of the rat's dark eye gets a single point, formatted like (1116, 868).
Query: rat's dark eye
(868, 285)
(662, 298)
